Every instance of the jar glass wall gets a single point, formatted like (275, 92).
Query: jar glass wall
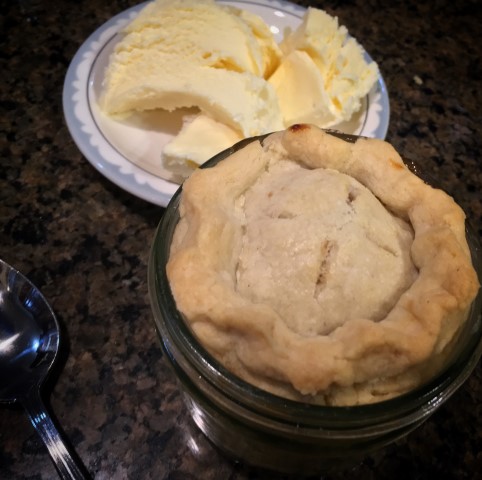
(268, 431)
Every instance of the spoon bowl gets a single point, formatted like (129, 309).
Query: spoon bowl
(29, 343)
(29, 335)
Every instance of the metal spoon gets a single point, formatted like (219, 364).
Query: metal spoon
(29, 342)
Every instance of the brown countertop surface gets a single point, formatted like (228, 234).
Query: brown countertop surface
(85, 242)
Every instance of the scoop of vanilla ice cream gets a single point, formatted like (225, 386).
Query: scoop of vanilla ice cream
(324, 74)
(199, 139)
(301, 91)
(185, 53)
(201, 31)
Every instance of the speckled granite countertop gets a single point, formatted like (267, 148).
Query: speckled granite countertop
(86, 242)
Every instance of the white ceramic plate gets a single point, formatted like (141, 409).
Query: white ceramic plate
(129, 152)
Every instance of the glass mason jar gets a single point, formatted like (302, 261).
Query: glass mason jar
(264, 430)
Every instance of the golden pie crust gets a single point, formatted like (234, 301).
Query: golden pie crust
(357, 358)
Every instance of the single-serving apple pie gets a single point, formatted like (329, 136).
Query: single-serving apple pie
(321, 269)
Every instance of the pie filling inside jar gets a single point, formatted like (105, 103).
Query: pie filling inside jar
(321, 270)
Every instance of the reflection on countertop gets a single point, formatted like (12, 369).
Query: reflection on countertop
(85, 243)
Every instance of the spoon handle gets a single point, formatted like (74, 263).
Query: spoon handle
(64, 458)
